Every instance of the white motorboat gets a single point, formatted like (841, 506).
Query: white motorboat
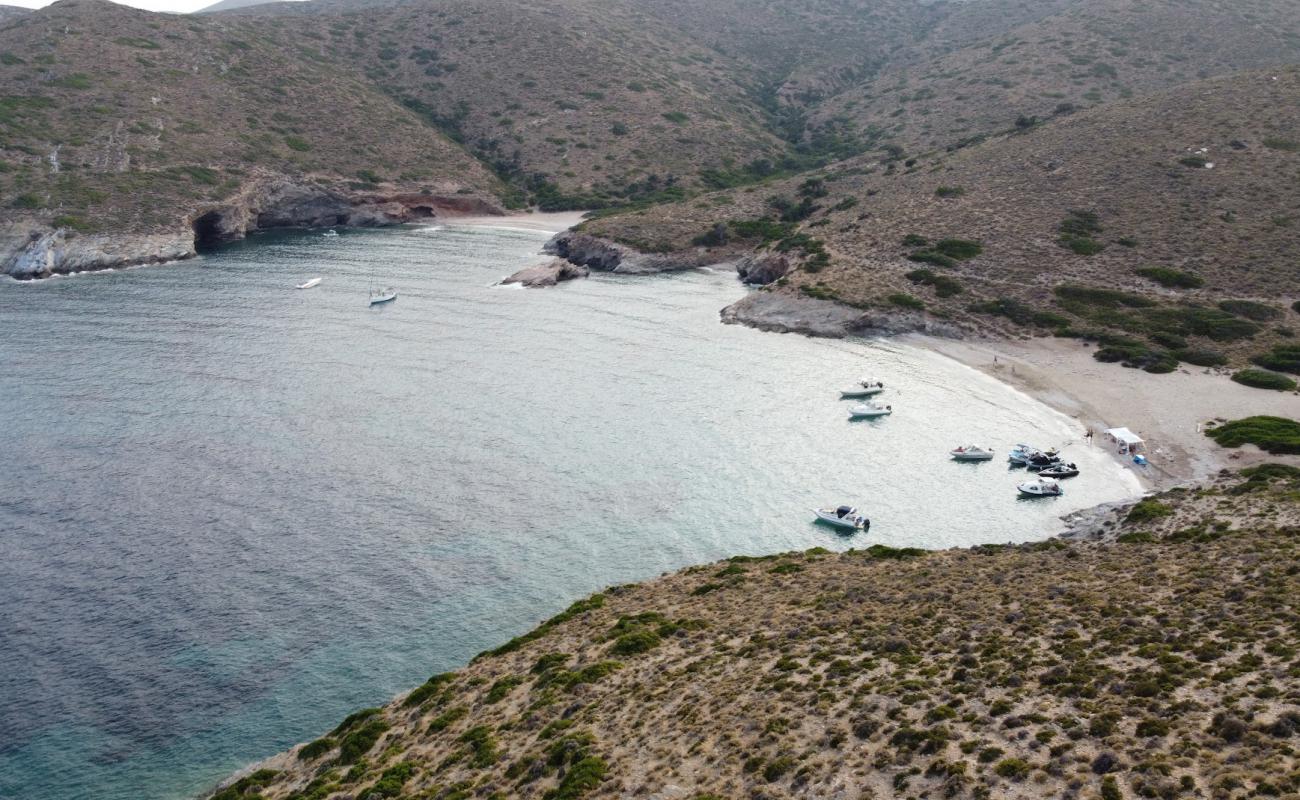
(865, 388)
(310, 283)
(870, 411)
(330, 232)
(971, 452)
(1020, 453)
(846, 517)
(382, 296)
(1040, 487)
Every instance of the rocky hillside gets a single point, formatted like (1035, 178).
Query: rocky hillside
(970, 78)
(1160, 664)
(117, 120)
(1170, 221)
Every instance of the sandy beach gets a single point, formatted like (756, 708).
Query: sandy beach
(1168, 411)
(547, 222)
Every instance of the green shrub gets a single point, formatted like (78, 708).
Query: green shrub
(1082, 245)
(581, 778)
(635, 642)
(1195, 161)
(1201, 357)
(427, 689)
(1147, 510)
(675, 117)
(297, 143)
(1013, 768)
(1249, 309)
(1135, 537)
(26, 201)
(618, 129)
(316, 749)
(949, 191)
(1172, 278)
(1273, 434)
(931, 257)
(944, 286)
(352, 719)
(960, 249)
(1282, 358)
(903, 300)
(482, 745)
(502, 688)
(777, 767)
(1152, 726)
(1110, 789)
(1263, 379)
(359, 742)
(392, 780)
(915, 240)
(445, 719)
(1076, 295)
(1287, 145)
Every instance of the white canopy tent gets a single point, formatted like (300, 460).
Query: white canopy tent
(1131, 441)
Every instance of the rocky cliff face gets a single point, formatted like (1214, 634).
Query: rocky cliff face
(604, 255)
(30, 250)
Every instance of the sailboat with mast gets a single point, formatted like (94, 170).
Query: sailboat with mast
(385, 295)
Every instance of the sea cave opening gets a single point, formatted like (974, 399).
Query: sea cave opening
(207, 231)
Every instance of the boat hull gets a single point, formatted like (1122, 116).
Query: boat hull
(375, 301)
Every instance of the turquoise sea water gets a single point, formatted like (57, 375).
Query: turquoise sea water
(233, 512)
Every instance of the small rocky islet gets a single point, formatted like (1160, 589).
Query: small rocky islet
(1155, 657)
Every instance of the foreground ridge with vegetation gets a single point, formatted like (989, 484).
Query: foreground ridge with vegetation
(1161, 662)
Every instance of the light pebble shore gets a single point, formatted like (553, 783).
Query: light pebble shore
(1168, 411)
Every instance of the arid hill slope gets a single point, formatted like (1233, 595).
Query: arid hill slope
(1077, 55)
(1086, 200)
(119, 119)
(1164, 665)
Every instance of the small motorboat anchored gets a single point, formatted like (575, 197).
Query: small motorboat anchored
(1040, 461)
(971, 452)
(378, 296)
(1059, 471)
(330, 232)
(309, 284)
(865, 388)
(1040, 488)
(846, 517)
(870, 411)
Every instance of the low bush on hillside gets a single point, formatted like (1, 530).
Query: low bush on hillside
(949, 191)
(1277, 143)
(1172, 278)
(1249, 309)
(1019, 312)
(1148, 510)
(931, 257)
(903, 300)
(942, 284)
(1273, 434)
(1263, 379)
(1201, 357)
(1282, 358)
(676, 117)
(1194, 161)
(1075, 295)
(1077, 230)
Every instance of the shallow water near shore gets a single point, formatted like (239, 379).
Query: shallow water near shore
(234, 512)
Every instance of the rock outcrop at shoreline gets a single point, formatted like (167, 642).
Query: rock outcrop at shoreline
(788, 312)
(547, 274)
(31, 250)
(1157, 665)
(604, 255)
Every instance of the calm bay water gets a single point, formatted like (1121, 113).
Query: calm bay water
(233, 512)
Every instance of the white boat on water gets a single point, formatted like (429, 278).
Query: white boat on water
(865, 388)
(971, 452)
(846, 517)
(330, 232)
(310, 283)
(382, 296)
(870, 411)
(1040, 487)
(1024, 454)
(1060, 471)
